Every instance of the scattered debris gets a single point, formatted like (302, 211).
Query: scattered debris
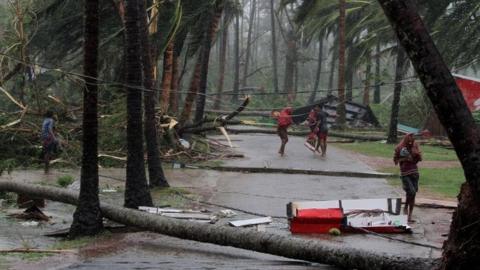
(30, 223)
(179, 213)
(227, 213)
(251, 222)
(356, 216)
(31, 213)
(109, 190)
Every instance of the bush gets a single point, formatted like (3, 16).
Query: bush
(65, 180)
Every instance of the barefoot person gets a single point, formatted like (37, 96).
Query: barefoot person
(407, 155)
(49, 140)
(284, 120)
(321, 130)
(312, 124)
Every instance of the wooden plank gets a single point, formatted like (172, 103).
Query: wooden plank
(187, 216)
(251, 222)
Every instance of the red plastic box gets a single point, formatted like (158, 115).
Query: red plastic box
(316, 220)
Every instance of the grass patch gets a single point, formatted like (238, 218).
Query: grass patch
(79, 242)
(378, 149)
(65, 180)
(173, 197)
(442, 181)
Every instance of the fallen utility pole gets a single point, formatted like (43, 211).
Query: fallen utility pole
(282, 245)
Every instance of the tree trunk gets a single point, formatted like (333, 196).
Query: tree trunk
(332, 71)
(174, 87)
(253, 7)
(290, 63)
(274, 47)
(236, 79)
(136, 187)
(319, 70)
(397, 90)
(341, 111)
(192, 91)
(222, 63)
(368, 76)
(463, 245)
(376, 95)
(276, 244)
(209, 39)
(167, 78)
(155, 170)
(87, 219)
(349, 70)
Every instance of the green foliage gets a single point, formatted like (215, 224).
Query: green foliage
(174, 197)
(378, 149)
(65, 180)
(382, 112)
(7, 165)
(476, 116)
(414, 107)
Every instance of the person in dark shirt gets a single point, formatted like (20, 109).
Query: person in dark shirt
(321, 130)
(407, 155)
(49, 140)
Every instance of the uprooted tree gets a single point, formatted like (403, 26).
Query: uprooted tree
(463, 245)
(276, 244)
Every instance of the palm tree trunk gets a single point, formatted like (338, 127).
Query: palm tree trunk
(349, 70)
(209, 39)
(222, 63)
(236, 80)
(192, 91)
(249, 41)
(462, 246)
(87, 219)
(397, 90)
(174, 87)
(368, 76)
(290, 63)
(333, 62)
(341, 111)
(136, 187)
(319, 70)
(376, 95)
(155, 171)
(167, 78)
(274, 47)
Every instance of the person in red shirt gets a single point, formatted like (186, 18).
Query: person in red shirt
(284, 120)
(407, 155)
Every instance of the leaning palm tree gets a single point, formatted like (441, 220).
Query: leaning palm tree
(136, 187)
(155, 171)
(87, 219)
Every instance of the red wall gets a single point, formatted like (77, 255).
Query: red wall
(470, 88)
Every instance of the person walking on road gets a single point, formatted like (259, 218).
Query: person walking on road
(407, 155)
(321, 129)
(284, 120)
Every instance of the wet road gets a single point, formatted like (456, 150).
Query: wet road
(263, 194)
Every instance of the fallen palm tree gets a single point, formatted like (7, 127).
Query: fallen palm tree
(281, 245)
(305, 133)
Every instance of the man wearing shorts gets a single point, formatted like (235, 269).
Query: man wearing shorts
(321, 130)
(407, 155)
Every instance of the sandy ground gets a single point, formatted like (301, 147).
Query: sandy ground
(262, 194)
